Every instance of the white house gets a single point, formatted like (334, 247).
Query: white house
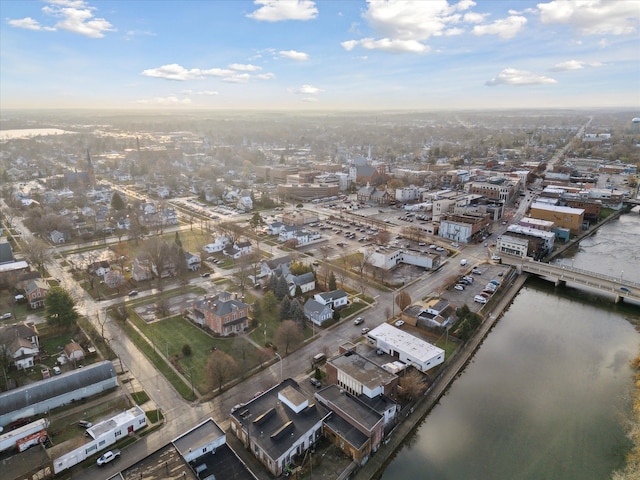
(22, 343)
(74, 352)
(335, 299)
(193, 261)
(217, 246)
(306, 282)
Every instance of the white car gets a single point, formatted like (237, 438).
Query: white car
(399, 323)
(358, 321)
(495, 257)
(5, 316)
(479, 299)
(455, 245)
(459, 287)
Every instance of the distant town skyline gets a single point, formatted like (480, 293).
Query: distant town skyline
(319, 55)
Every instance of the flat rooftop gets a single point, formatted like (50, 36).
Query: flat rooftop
(361, 369)
(405, 342)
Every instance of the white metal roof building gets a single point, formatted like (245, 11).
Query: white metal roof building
(409, 349)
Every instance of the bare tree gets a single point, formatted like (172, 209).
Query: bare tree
(288, 335)
(411, 385)
(221, 368)
(403, 300)
(37, 253)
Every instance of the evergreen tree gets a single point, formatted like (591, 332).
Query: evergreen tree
(178, 241)
(282, 289)
(332, 282)
(296, 312)
(285, 306)
(60, 309)
(117, 203)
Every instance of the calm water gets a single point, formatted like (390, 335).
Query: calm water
(30, 132)
(545, 395)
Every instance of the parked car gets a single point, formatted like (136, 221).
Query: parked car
(495, 257)
(205, 274)
(5, 316)
(459, 287)
(476, 271)
(625, 289)
(399, 323)
(133, 293)
(56, 370)
(315, 382)
(108, 457)
(365, 330)
(479, 299)
(358, 321)
(85, 424)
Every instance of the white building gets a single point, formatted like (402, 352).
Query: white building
(409, 349)
(103, 435)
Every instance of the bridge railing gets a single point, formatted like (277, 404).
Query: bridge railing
(558, 269)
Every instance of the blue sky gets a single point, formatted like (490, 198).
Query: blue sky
(316, 54)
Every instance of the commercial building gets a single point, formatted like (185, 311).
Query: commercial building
(407, 348)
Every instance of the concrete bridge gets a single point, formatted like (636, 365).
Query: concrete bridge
(561, 274)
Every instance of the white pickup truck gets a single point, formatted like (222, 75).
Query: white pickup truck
(108, 456)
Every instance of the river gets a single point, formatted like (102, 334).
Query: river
(546, 395)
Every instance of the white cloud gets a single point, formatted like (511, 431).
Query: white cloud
(74, 16)
(473, 17)
(237, 78)
(242, 67)
(279, 10)
(27, 23)
(593, 17)
(307, 90)
(266, 76)
(574, 65)
(387, 45)
(511, 76)
(131, 34)
(406, 25)
(505, 28)
(165, 101)
(294, 55)
(173, 72)
(77, 17)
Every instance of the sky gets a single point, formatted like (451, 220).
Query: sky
(319, 54)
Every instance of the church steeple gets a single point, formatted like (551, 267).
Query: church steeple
(90, 172)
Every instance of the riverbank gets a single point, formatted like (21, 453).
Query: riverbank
(631, 471)
(375, 466)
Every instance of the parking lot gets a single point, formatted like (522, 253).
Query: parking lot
(478, 286)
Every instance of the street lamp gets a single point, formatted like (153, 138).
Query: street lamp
(278, 355)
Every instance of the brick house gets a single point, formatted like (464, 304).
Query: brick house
(224, 314)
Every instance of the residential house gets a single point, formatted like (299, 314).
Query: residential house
(274, 266)
(274, 228)
(224, 314)
(74, 352)
(317, 312)
(217, 246)
(193, 261)
(306, 282)
(22, 343)
(36, 290)
(238, 249)
(141, 270)
(100, 268)
(57, 237)
(335, 299)
(279, 426)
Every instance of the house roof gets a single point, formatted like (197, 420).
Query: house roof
(202, 434)
(42, 390)
(312, 306)
(19, 330)
(362, 370)
(221, 304)
(6, 254)
(349, 405)
(333, 295)
(271, 421)
(36, 283)
(304, 278)
(69, 348)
